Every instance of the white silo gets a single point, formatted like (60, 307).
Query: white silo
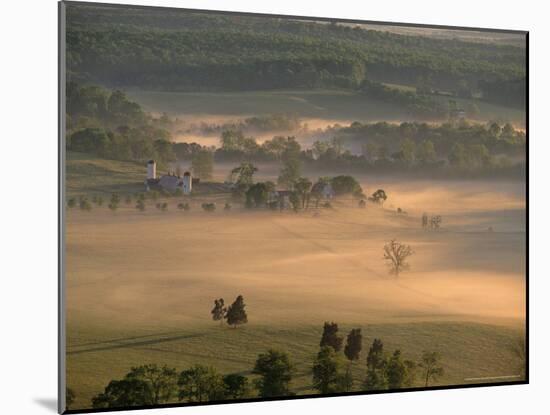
(151, 170)
(187, 182)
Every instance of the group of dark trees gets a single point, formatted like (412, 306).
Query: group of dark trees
(182, 51)
(152, 385)
(106, 123)
(302, 193)
(384, 371)
(273, 372)
(234, 315)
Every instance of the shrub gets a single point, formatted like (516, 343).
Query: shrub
(209, 207)
(85, 204)
(140, 205)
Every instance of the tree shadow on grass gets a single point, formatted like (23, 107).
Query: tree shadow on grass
(129, 344)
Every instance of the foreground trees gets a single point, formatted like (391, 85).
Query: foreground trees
(388, 372)
(236, 386)
(143, 385)
(376, 365)
(330, 336)
(153, 385)
(354, 343)
(275, 372)
(329, 375)
(430, 363)
(200, 384)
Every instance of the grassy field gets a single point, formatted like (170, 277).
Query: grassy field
(87, 175)
(140, 285)
(318, 107)
(98, 354)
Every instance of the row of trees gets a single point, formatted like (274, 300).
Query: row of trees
(274, 372)
(98, 126)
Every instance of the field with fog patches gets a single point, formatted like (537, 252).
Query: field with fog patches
(140, 286)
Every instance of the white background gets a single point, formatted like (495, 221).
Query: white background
(28, 204)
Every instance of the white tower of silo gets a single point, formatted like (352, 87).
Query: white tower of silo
(187, 182)
(151, 170)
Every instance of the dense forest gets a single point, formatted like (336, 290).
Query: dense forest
(181, 50)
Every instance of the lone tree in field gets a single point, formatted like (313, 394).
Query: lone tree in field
(330, 336)
(379, 196)
(236, 313)
(376, 367)
(275, 372)
(353, 345)
(219, 310)
(431, 365)
(396, 254)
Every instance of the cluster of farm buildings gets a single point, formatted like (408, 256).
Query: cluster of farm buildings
(171, 182)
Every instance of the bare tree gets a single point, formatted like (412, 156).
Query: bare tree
(396, 254)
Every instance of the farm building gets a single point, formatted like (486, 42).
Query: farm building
(169, 182)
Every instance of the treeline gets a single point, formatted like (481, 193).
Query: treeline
(282, 122)
(183, 51)
(106, 123)
(458, 148)
(273, 374)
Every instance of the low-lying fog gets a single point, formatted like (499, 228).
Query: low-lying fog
(144, 268)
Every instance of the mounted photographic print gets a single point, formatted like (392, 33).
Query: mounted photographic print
(258, 207)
